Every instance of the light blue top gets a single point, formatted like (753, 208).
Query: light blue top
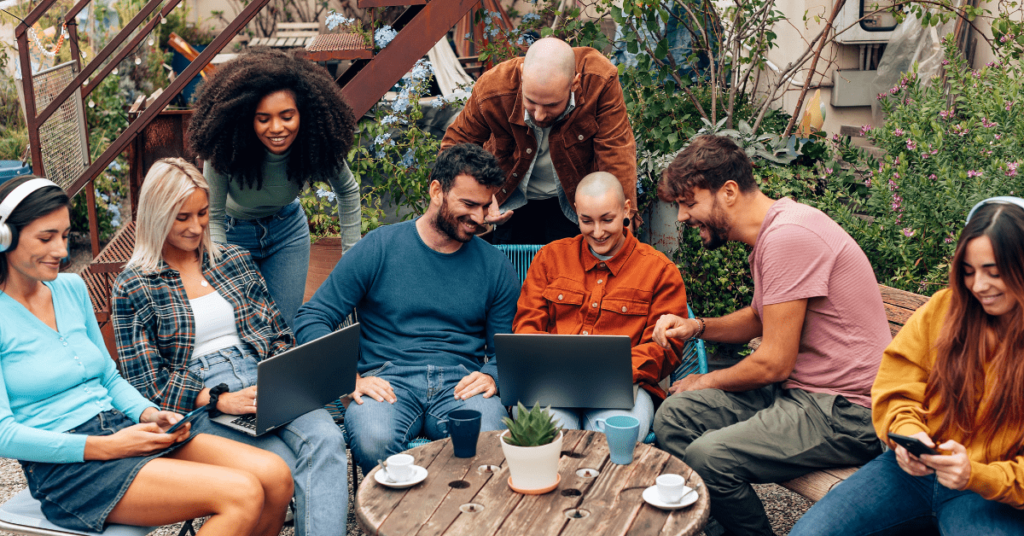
(417, 306)
(52, 381)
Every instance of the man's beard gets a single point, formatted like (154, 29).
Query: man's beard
(449, 225)
(718, 229)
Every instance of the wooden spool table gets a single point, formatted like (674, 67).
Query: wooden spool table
(463, 496)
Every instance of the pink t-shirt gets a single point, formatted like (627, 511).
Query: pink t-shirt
(801, 253)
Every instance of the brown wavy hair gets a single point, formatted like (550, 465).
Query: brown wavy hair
(964, 346)
(708, 163)
(221, 130)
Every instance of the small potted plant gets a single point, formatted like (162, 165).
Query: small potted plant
(532, 445)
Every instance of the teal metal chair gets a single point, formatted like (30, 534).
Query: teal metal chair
(694, 358)
(22, 514)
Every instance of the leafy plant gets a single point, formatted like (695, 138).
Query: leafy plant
(531, 428)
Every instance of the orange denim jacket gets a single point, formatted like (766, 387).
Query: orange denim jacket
(595, 136)
(570, 291)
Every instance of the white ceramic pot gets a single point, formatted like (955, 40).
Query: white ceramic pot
(533, 468)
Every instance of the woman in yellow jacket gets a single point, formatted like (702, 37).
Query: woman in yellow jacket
(953, 378)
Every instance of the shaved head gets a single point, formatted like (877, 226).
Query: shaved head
(599, 183)
(550, 57)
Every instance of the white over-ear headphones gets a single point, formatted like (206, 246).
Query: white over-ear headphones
(11, 202)
(1001, 199)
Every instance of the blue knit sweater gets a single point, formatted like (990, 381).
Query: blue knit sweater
(417, 306)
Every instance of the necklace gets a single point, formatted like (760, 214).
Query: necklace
(201, 281)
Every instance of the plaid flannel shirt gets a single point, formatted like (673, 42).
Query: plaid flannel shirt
(155, 329)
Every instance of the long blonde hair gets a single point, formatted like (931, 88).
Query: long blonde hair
(165, 189)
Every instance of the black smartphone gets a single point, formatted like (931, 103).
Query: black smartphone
(912, 444)
(192, 415)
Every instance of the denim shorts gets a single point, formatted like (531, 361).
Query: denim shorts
(80, 496)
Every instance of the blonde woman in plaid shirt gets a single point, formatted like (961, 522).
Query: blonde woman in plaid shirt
(190, 315)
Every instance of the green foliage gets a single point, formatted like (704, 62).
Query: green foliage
(393, 156)
(947, 147)
(531, 428)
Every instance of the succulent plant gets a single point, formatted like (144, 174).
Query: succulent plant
(531, 428)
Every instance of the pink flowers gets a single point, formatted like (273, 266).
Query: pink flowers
(932, 176)
(898, 132)
(947, 114)
(1008, 106)
(867, 182)
(911, 145)
(973, 173)
(864, 129)
(894, 90)
(948, 240)
(1011, 169)
(908, 232)
(988, 124)
(998, 136)
(959, 130)
(945, 62)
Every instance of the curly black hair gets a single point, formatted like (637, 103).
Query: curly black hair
(467, 159)
(221, 130)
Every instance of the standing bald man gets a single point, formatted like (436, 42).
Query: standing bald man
(551, 118)
(605, 282)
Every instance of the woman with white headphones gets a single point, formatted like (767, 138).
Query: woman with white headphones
(95, 451)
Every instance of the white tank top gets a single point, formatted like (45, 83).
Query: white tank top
(215, 324)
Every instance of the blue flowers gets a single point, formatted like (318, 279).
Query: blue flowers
(391, 120)
(526, 39)
(408, 158)
(384, 35)
(116, 211)
(382, 142)
(331, 196)
(337, 19)
(530, 17)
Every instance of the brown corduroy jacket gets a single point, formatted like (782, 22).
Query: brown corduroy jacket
(595, 136)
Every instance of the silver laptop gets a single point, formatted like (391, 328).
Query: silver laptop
(565, 371)
(302, 379)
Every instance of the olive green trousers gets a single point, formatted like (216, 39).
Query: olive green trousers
(766, 435)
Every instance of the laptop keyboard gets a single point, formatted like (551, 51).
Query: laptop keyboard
(246, 421)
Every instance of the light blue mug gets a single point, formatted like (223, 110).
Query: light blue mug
(622, 432)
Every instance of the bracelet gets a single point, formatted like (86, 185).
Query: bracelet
(703, 326)
(214, 397)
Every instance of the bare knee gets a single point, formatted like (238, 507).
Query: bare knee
(275, 477)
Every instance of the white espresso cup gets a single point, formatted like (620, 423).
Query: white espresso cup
(400, 467)
(670, 488)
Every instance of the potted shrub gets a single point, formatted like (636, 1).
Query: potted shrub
(532, 445)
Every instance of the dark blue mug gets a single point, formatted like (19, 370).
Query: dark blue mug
(463, 426)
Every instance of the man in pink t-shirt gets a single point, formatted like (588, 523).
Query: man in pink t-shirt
(802, 401)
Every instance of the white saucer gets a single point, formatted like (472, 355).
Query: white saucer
(653, 499)
(419, 474)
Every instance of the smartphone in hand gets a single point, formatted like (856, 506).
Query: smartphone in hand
(912, 444)
(192, 415)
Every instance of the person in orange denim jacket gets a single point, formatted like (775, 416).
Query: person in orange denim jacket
(550, 118)
(605, 282)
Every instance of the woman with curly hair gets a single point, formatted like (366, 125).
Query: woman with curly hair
(246, 126)
(953, 379)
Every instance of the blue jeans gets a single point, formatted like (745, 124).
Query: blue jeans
(881, 498)
(312, 445)
(576, 418)
(423, 396)
(279, 246)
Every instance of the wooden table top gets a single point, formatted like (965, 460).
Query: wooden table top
(463, 496)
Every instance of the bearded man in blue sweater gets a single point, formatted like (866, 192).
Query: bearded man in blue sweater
(430, 296)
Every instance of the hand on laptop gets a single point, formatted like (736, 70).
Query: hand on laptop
(238, 402)
(376, 388)
(474, 384)
(672, 326)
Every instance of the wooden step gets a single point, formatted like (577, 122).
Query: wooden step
(343, 46)
(388, 3)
